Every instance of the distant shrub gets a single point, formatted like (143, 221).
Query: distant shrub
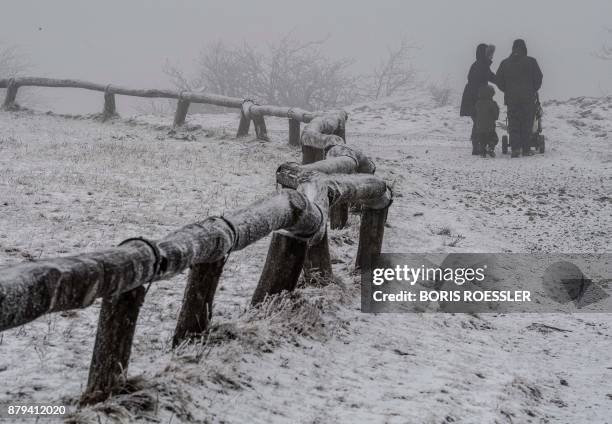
(288, 73)
(441, 94)
(394, 75)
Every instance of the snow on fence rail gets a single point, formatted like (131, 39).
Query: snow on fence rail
(249, 110)
(296, 216)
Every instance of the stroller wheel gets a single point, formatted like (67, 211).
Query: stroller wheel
(504, 144)
(541, 144)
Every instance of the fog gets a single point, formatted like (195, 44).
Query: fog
(127, 42)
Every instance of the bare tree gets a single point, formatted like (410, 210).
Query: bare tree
(12, 61)
(394, 74)
(300, 74)
(293, 73)
(288, 73)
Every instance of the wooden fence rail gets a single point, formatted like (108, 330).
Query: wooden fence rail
(320, 135)
(249, 110)
(297, 216)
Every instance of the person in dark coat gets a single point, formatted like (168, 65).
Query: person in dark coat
(519, 77)
(487, 114)
(480, 74)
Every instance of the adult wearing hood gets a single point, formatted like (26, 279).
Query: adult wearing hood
(519, 77)
(479, 75)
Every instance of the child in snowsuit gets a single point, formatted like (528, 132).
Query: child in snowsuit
(487, 113)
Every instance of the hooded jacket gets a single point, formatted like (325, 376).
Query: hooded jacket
(519, 76)
(480, 74)
(487, 110)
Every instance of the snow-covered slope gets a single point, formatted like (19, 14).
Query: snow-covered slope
(69, 185)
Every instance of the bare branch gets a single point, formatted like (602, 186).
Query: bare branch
(394, 73)
(288, 72)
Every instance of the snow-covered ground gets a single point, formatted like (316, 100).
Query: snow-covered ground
(71, 185)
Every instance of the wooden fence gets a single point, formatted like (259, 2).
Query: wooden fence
(332, 175)
(249, 110)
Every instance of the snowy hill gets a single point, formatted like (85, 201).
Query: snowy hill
(70, 185)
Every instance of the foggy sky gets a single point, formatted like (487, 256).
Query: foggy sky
(127, 42)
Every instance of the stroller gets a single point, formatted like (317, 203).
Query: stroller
(537, 139)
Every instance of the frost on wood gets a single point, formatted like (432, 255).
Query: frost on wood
(110, 108)
(325, 130)
(365, 165)
(254, 112)
(371, 232)
(113, 345)
(369, 190)
(317, 264)
(322, 133)
(289, 210)
(283, 266)
(341, 188)
(296, 114)
(182, 106)
(11, 94)
(33, 289)
(341, 159)
(30, 290)
(294, 132)
(196, 311)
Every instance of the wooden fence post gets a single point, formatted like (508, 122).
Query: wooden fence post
(318, 262)
(371, 232)
(283, 266)
(243, 126)
(260, 128)
(196, 311)
(294, 132)
(11, 95)
(110, 108)
(182, 106)
(338, 214)
(111, 354)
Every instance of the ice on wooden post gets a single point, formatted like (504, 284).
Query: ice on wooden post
(113, 345)
(320, 134)
(317, 264)
(260, 128)
(294, 132)
(182, 106)
(11, 95)
(338, 214)
(371, 232)
(244, 125)
(247, 115)
(196, 311)
(110, 108)
(283, 266)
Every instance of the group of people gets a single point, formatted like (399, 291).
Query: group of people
(519, 77)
